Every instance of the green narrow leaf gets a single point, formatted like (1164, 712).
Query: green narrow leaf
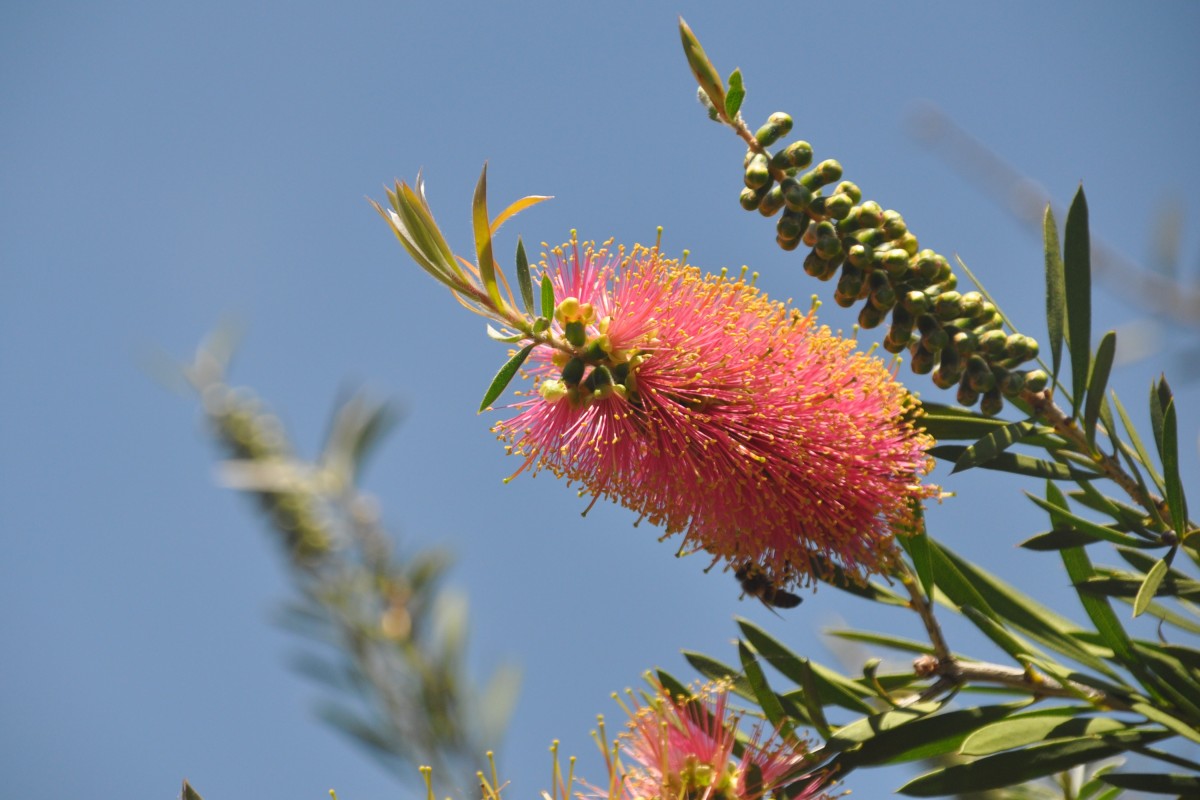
(505, 376)
(1167, 721)
(1017, 464)
(1067, 521)
(716, 671)
(902, 735)
(523, 279)
(1056, 293)
(1160, 396)
(1019, 766)
(1155, 782)
(1101, 367)
(1057, 540)
(1079, 570)
(766, 698)
(672, 685)
(1176, 502)
(1026, 729)
(1149, 586)
(1077, 272)
(189, 793)
(894, 642)
(992, 445)
(1014, 645)
(918, 549)
(944, 422)
(547, 297)
(482, 226)
(1142, 454)
(828, 687)
(737, 93)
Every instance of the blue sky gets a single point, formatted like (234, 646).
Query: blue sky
(167, 164)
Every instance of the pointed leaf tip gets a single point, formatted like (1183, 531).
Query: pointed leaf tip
(505, 376)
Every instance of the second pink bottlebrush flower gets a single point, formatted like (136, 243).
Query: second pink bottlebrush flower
(722, 415)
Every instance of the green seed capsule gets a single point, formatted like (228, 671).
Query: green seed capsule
(791, 225)
(598, 378)
(814, 265)
(787, 244)
(771, 203)
(795, 194)
(951, 365)
(572, 373)
(943, 380)
(620, 373)
(1010, 382)
(980, 374)
(883, 298)
(758, 174)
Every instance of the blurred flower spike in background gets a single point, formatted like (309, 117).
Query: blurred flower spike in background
(685, 747)
(695, 401)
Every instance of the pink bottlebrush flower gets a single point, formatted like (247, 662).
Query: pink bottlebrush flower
(683, 748)
(718, 413)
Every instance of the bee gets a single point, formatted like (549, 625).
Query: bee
(756, 583)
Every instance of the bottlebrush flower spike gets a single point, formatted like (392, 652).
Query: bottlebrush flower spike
(683, 747)
(720, 414)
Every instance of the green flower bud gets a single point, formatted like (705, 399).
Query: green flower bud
(758, 174)
(922, 361)
(795, 194)
(1010, 382)
(791, 224)
(849, 189)
(873, 237)
(778, 125)
(945, 275)
(750, 198)
(838, 206)
(811, 234)
(893, 224)
(895, 261)
(849, 285)
(870, 316)
(787, 244)
(830, 171)
(1036, 380)
(948, 305)
(972, 305)
(916, 302)
(979, 373)
(908, 243)
(598, 378)
(814, 265)
(575, 333)
(1020, 348)
(828, 247)
(860, 255)
(552, 391)
(966, 395)
(965, 343)
(942, 379)
(926, 266)
(897, 339)
(572, 373)
(796, 155)
(950, 364)
(992, 343)
(883, 298)
(992, 403)
(870, 214)
(771, 203)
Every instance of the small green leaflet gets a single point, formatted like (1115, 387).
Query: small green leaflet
(1101, 367)
(547, 297)
(1077, 263)
(737, 93)
(505, 376)
(1056, 303)
(523, 279)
